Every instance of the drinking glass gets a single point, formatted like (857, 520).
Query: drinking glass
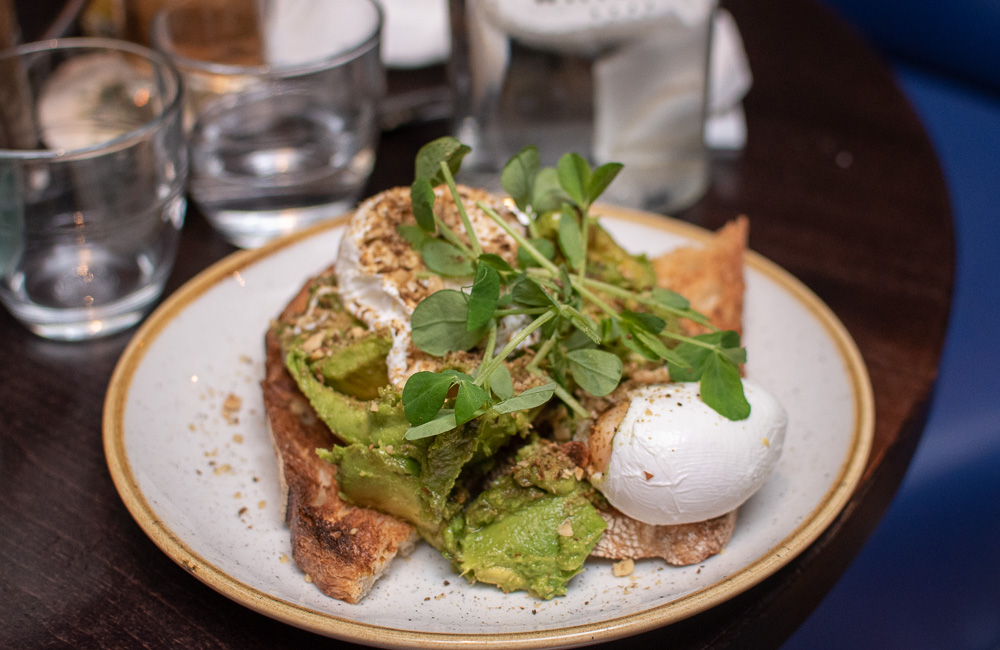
(92, 173)
(282, 108)
(615, 80)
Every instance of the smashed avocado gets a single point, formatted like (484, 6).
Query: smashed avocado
(338, 363)
(527, 526)
(532, 528)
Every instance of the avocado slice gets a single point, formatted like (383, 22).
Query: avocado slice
(355, 421)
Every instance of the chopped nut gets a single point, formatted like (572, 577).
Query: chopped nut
(566, 529)
(623, 568)
(313, 342)
(232, 403)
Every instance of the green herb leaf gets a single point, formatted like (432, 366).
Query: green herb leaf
(528, 399)
(445, 421)
(544, 246)
(469, 399)
(578, 339)
(446, 259)
(669, 298)
(566, 291)
(635, 344)
(457, 374)
(610, 330)
(501, 383)
(648, 322)
(518, 176)
(574, 177)
(438, 324)
(596, 371)
(483, 298)
(497, 262)
(654, 344)
(528, 292)
(445, 149)
(422, 198)
(697, 355)
(546, 194)
(570, 238)
(417, 236)
(424, 395)
(583, 323)
(722, 389)
(601, 178)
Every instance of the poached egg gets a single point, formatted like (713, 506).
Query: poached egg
(664, 457)
(381, 278)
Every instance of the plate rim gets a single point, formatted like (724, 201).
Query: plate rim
(812, 526)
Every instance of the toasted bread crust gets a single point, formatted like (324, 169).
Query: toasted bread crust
(343, 549)
(680, 544)
(710, 277)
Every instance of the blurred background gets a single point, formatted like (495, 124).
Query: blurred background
(929, 577)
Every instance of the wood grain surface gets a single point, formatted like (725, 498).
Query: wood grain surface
(843, 190)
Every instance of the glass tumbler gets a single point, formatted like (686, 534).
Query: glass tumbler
(282, 108)
(92, 174)
(613, 80)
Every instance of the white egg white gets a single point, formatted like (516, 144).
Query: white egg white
(674, 460)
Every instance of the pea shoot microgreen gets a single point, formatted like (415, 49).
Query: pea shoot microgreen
(578, 326)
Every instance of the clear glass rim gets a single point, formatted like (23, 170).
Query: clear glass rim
(161, 41)
(172, 101)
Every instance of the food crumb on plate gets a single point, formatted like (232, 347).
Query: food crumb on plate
(623, 568)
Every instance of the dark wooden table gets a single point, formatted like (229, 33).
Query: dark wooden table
(843, 190)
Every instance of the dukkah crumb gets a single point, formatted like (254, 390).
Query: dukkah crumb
(231, 407)
(623, 568)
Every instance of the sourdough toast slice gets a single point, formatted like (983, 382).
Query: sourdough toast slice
(344, 549)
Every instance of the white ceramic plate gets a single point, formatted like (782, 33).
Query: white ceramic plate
(199, 475)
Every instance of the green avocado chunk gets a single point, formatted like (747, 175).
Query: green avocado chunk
(358, 369)
(422, 482)
(376, 477)
(531, 529)
(353, 420)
